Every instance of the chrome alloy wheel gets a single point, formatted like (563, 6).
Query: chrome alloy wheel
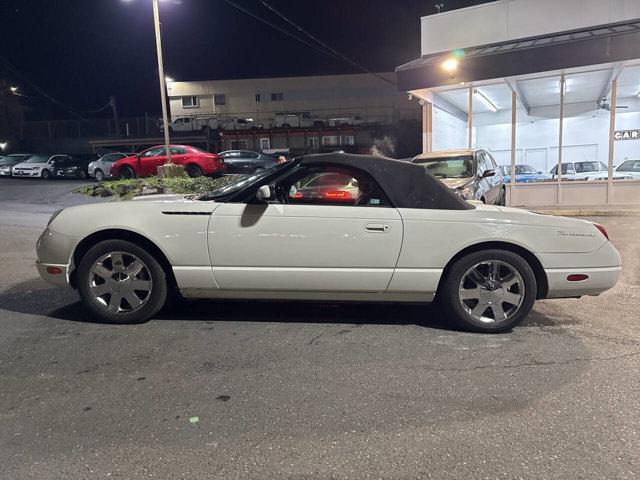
(491, 291)
(119, 282)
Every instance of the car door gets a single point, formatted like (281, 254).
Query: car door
(495, 181)
(179, 155)
(343, 238)
(149, 160)
(484, 186)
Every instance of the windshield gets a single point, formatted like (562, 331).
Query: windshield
(242, 182)
(450, 167)
(38, 159)
(525, 169)
(587, 167)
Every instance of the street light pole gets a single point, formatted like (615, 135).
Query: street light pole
(163, 91)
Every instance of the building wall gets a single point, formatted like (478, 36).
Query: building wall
(326, 96)
(511, 19)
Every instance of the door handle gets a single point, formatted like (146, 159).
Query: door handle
(377, 227)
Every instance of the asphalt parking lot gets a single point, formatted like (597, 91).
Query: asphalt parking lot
(305, 390)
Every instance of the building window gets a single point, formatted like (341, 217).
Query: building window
(220, 99)
(330, 141)
(237, 144)
(277, 97)
(312, 142)
(258, 97)
(190, 102)
(348, 140)
(265, 144)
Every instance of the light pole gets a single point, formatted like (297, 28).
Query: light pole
(163, 91)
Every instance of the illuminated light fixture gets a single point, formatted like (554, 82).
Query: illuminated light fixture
(14, 89)
(490, 105)
(450, 65)
(168, 79)
(638, 95)
(3, 145)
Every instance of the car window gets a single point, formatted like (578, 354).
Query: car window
(582, 167)
(491, 163)
(178, 150)
(231, 155)
(38, 159)
(330, 186)
(626, 166)
(482, 164)
(449, 167)
(153, 152)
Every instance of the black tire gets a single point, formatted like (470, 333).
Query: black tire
(127, 173)
(449, 300)
(318, 123)
(194, 171)
(99, 175)
(503, 198)
(156, 298)
(45, 175)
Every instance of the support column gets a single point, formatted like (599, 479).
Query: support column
(470, 117)
(427, 127)
(612, 131)
(512, 171)
(560, 134)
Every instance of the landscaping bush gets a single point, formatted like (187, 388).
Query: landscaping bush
(127, 189)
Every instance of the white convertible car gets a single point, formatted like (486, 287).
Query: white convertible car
(334, 226)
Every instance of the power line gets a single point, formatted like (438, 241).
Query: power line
(332, 50)
(75, 112)
(282, 30)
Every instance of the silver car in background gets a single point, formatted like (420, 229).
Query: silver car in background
(101, 168)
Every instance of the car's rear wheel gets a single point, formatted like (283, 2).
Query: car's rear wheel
(127, 173)
(46, 174)
(489, 291)
(119, 282)
(194, 171)
(503, 197)
(99, 175)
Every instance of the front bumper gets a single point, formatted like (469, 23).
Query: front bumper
(5, 173)
(26, 173)
(55, 250)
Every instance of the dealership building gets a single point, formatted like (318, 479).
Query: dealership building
(541, 83)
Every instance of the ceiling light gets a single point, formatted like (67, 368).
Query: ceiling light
(489, 104)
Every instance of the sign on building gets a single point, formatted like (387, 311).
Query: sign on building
(627, 135)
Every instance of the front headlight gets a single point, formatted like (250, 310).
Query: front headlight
(53, 217)
(467, 193)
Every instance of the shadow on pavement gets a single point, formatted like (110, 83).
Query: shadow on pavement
(36, 297)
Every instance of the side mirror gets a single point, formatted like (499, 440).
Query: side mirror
(540, 172)
(488, 173)
(264, 193)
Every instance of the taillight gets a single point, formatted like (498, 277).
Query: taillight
(602, 230)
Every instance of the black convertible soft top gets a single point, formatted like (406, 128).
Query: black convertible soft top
(408, 185)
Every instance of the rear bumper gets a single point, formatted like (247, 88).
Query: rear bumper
(599, 280)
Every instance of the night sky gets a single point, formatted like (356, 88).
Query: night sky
(82, 51)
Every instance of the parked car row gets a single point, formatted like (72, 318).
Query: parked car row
(281, 120)
(585, 170)
(45, 165)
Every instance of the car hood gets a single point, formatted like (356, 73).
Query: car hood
(455, 183)
(29, 165)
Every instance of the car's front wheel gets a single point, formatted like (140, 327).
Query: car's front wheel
(489, 291)
(120, 282)
(99, 175)
(46, 174)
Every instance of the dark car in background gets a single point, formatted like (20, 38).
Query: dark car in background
(9, 161)
(247, 161)
(524, 174)
(471, 174)
(101, 168)
(71, 166)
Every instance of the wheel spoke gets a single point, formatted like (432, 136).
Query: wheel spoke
(512, 298)
(510, 281)
(470, 293)
(479, 309)
(477, 277)
(132, 299)
(498, 312)
(114, 302)
(144, 285)
(134, 269)
(102, 272)
(99, 290)
(117, 262)
(495, 270)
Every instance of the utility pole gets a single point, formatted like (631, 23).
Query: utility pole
(163, 91)
(114, 108)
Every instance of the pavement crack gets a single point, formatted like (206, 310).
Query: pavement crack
(314, 339)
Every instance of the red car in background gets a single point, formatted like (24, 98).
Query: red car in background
(196, 162)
